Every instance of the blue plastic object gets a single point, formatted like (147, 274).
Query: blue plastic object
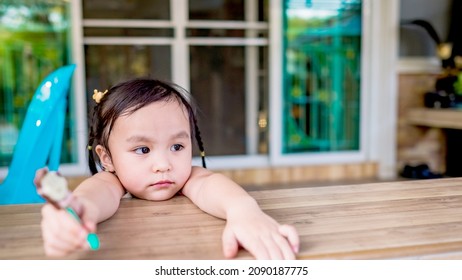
(40, 139)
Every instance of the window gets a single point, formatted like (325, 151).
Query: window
(229, 74)
(36, 40)
(218, 50)
(267, 96)
(318, 51)
(322, 58)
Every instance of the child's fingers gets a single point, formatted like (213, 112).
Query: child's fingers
(90, 226)
(260, 244)
(262, 247)
(284, 248)
(39, 175)
(60, 221)
(61, 232)
(259, 250)
(271, 249)
(230, 243)
(291, 234)
(55, 247)
(275, 246)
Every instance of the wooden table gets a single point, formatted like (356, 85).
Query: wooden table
(411, 219)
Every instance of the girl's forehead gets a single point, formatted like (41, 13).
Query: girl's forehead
(157, 122)
(161, 111)
(171, 107)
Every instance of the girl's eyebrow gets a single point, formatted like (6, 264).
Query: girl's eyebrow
(181, 134)
(142, 138)
(138, 138)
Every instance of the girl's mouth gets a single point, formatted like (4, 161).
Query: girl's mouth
(162, 184)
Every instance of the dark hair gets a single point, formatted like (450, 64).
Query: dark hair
(126, 98)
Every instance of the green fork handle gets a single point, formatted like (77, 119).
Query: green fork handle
(92, 238)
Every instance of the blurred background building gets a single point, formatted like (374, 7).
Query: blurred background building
(289, 90)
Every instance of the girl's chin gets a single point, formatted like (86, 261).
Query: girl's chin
(160, 194)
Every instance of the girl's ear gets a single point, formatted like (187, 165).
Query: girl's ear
(104, 158)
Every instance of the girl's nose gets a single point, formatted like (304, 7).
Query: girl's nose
(161, 163)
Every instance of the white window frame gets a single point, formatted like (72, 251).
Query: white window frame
(79, 97)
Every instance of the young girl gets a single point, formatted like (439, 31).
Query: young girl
(141, 140)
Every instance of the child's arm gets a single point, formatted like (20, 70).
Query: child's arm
(247, 225)
(103, 191)
(62, 234)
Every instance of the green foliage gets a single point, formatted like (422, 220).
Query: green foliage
(458, 84)
(35, 40)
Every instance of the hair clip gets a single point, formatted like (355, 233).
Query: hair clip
(97, 95)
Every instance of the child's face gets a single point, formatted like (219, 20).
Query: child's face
(151, 150)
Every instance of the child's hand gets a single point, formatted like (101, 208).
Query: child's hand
(259, 234)
(62, 234)
(65, 221)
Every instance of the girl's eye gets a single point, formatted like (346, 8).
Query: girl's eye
(142, 150)
(176, 147)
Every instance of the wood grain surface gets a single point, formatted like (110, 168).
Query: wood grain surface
(394, 220)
